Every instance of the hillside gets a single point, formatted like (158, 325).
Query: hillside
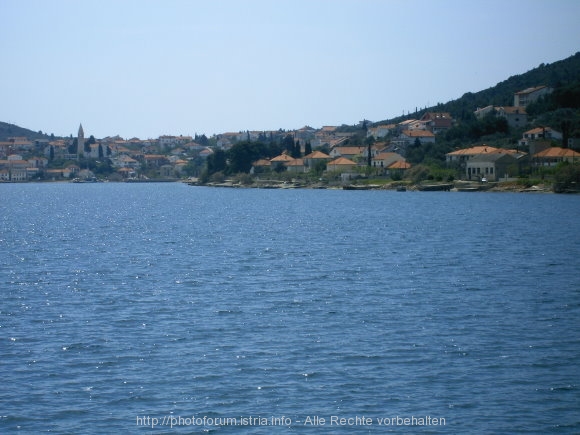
(11, 130)
(563, 73)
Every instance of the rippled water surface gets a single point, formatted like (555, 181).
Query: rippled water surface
(159, 301)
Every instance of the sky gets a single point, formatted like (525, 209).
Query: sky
(145, 68)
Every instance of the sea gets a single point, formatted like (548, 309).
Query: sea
(168, 308)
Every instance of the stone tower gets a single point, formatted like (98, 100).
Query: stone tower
(81, 142)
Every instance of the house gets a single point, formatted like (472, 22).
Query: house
(409, 137)
(403, 125)
(5, 149)
(171, 141)
(304, 134)
(226, 140)
(205, 153)
(492, 166)
(424, 136)
(295, 166)
(15, 167)
(529, 95)
(417, 125)
(384, 160)
(260, 166)
(154, 160)
(313, 158)
(464, 155)
(126, 172)
(21, 143)
(38, 162)
(376, 149)
(515, 116)
(193, 147)
(347, 152)
(341, 164)
(399, 166)
(167, 171)
(70, 171)
(555, 155)
(481, 112)
(437, 122)
(54, 174)
(380, 130)
(539, 133)
(278, 162)
(125, 161)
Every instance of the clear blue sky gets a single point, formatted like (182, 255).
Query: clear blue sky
(143, 68)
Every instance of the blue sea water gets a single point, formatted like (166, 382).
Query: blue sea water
(129, 308)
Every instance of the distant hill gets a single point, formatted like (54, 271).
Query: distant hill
(563, 73)
(11, 130)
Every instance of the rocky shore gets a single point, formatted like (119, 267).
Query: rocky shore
(457, 186)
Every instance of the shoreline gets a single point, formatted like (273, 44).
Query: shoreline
(456, 186)
(459, 186)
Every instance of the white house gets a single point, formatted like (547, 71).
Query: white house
(539, 133)
(529, 95)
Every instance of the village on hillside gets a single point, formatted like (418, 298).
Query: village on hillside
(328, 150)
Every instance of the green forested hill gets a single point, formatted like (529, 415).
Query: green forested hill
(11, 130)
(561, 74)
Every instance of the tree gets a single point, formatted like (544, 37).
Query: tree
(296, 151)
(89, 142)
(202, 140)
(51, 153)
(369, 141)
(307, 148)
(101, 154)
(243, 154)
(73, 147)
(216, 162)
(288, 144)
(319, 167)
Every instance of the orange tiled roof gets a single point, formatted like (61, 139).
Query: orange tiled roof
(483, 149)
(317, 155)
(401, 164)
(538, 130)
(558, 152)
(350, 150)
(262, 162)
(295, 162)
(387, 155)
(282, 158)
(342, 161)
(513, 110)
(530, 90)
(418, 133)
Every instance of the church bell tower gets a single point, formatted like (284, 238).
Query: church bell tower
(81, 143)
